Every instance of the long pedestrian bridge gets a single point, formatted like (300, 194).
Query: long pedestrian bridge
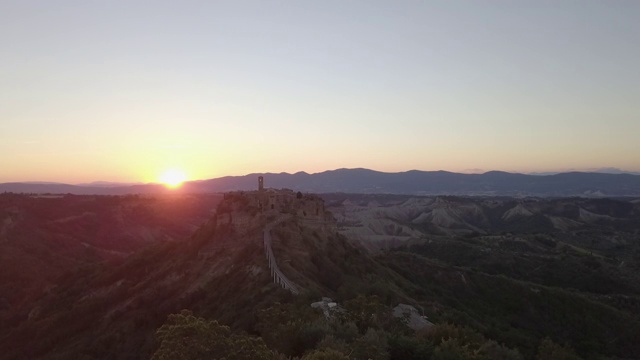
(277, 275)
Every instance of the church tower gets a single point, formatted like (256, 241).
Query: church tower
(260, 183)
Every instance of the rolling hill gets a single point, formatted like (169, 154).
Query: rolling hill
(475, 265)
(414, 182)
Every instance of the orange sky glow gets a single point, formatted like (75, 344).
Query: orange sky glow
(118, 91)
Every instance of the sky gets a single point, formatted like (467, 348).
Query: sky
(124, 90)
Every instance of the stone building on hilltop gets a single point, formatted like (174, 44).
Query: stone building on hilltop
(268, 202)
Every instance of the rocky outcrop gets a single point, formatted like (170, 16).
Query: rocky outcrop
(328, 307)
(414, 320)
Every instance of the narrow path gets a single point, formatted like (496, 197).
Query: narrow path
(278, 277)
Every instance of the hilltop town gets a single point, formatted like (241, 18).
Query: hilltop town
(241, 208)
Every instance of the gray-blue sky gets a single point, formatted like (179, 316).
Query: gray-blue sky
(120, 90)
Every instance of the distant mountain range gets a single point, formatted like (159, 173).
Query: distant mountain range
(609, 170)
(493, 183)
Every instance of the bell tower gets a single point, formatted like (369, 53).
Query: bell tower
(260, 183)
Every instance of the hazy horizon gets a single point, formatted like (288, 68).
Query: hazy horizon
(101, 182)
(122, 91)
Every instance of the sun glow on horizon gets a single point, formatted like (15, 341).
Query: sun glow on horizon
(173, 178)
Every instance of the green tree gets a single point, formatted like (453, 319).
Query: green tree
(372, 345)
(325, 354)
(453, 349)
(549, 350)
(368, 312)
(441, 332)
(289, 329)
(456, 342)
(242, 347)
(330, 342)
(491, 350)
(186, 337)
(409, 348)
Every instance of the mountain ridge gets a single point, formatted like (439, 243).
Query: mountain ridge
(360, 180)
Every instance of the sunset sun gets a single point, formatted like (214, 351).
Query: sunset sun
(173, 177)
